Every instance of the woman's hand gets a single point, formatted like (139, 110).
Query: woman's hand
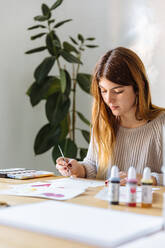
(123, 178)
(70, 167)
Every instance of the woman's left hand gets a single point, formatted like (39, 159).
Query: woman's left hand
(123, 178)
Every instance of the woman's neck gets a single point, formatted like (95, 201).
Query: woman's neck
(131, 122)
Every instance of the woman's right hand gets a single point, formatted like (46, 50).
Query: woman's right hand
(70, 167)
(123, 178)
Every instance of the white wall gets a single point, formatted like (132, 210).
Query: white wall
(137, 24)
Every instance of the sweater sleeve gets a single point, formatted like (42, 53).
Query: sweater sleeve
(161, 147)
(90, 162)
(159, 178)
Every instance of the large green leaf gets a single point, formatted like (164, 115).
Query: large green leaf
(68, 83)
(63, 80)
(47, 137)
(36, 26)
(43, 69)
(57, 107)
(40, 18)
(82, 117)
(86, 135)
(38, 92)
(56, 4)
(37, 36)
(68, 147)
(69, 57)
(90, 38)
(61, 23)
(91, 46)
(54, 87)
(64, 124)
(53, 43)
(45, 10)
(84, 81)
(51, 21)
(69, 48)
(80, 37)
(83, 153)
(73, 40)
(36, 50)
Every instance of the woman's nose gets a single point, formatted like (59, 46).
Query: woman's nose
(110, 97)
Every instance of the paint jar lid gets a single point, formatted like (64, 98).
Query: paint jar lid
(131, 173)
(114, 171)
(147, 173)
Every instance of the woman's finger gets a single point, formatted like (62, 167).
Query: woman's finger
(123, 182)
(62, 161)
(64, 170)
(122, 174)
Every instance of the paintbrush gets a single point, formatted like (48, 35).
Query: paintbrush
(69, 165)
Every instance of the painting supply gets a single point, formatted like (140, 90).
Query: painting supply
(61, 152)
(131, 187)
(114, 186)
(146, 188)
(69, 165)
(22, 173)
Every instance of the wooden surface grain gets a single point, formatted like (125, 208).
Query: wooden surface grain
(17, 238)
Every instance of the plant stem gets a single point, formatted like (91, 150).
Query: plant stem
(59, 66)
(74, 76)
(70, 134)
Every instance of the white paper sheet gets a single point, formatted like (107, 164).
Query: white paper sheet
(49, 190)
(103, 194)
(99, 227)
(77, 182)
(152, 241)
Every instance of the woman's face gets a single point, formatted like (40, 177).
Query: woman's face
(120, 99)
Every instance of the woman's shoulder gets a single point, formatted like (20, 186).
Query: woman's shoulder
(160, 117)
(159, 120)
(155, 124)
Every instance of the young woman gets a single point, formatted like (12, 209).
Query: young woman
(126, 126)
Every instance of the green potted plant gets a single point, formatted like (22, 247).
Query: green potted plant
(59, 91)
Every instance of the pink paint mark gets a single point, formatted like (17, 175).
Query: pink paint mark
(42, 185)
(53, 194)
(133, 190)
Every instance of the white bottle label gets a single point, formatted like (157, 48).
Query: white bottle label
(113, 191)
(147, 194)
(131, 193)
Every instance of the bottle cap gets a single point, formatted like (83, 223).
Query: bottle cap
(131, 173)
(147, 173)
(114, 171)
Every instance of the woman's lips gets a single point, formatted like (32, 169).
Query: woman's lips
(114, 107)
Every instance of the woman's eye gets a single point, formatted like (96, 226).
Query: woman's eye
(103, 91)
(119, 92)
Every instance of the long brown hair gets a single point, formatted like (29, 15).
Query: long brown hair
(124, 67)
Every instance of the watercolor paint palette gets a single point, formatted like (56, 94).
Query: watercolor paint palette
(23, 173)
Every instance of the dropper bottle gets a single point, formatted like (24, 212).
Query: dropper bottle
(146, 181)
(113, 186)
(131, 187)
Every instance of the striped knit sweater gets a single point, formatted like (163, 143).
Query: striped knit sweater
(138, 147)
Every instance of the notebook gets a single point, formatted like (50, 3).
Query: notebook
(90, 225)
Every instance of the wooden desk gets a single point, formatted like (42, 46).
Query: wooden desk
(16, 238)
